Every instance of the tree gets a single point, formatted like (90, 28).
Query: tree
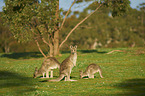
(142, 8)
(40, 19)
(6, 37)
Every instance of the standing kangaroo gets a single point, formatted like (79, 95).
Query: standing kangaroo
(67, 65)
(49, 64)
(91, 70)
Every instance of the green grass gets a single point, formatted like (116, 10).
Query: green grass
(124, 74)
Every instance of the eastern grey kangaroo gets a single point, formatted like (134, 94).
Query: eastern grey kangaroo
(67, 65)
(91, 70)
(49, 64)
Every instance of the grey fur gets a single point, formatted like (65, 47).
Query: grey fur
(91, 70)
(48, 65)
(67, 65)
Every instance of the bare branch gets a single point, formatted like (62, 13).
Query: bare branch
(40, 49)
(115, 51)
(45, 41)
(31, 27)
(66, 15)
(78, 25)
(51, 37)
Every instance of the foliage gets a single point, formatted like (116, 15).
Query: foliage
(123, 74)
(6, 37)
(107, 31)
(29, 19)
(119, 7)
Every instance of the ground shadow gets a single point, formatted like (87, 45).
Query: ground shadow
(41, 77)
(132, 87)
(63, 52)
(23, 55)
(92, 51)
(16, 83)
(28, 55)
(71, 77)
(86, 51)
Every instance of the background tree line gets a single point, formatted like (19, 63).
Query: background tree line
(102, 29)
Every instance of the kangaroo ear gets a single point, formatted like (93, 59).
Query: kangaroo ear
(71, 46)
(75, 46)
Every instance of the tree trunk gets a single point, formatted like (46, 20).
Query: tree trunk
(56, 43)
(7, 49)
(56, 33)
(51, 51)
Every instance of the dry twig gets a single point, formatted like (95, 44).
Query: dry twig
(114, 51)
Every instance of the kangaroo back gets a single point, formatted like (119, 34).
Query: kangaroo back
(51, 63)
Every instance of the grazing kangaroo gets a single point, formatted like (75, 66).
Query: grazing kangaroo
(91, 70)
(49, 64)
(67, 65)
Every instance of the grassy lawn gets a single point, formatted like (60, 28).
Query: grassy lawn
(124, 74)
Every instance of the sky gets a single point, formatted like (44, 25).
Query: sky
(65, 4)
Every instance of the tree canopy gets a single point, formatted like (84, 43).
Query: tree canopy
(30, 18)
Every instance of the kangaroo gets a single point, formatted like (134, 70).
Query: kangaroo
(91, 70)
(48, 64)
(67, 65)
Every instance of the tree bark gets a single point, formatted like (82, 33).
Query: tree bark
(56, 33)
(6, 47)
(56, 43)
(51, 50)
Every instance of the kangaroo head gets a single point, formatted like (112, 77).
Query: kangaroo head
(81, 74)
(35, 73)
(73, 49)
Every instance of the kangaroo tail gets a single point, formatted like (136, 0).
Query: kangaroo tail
(58, 79)
(100, 72)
